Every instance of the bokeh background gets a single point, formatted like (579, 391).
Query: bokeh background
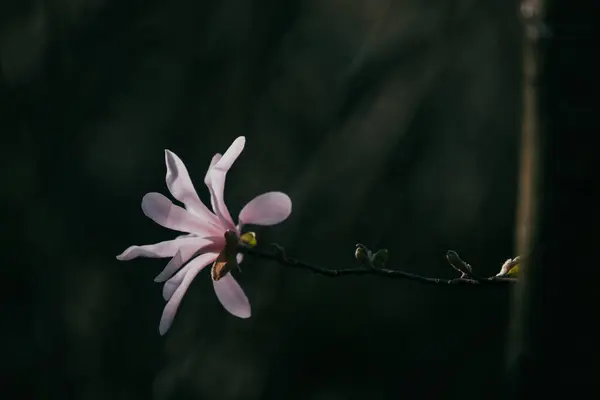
(391, 123)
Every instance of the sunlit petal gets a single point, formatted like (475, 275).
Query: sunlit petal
(161, 210)
(181, 187)
(168, 248)
(216, 180)
(185, 252)
(213, 161)
(173, 283)
(170, 310)
(267, 209)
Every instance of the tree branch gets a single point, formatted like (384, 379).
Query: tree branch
(278, 254)
(370, 264)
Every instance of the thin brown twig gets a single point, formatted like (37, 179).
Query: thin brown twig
(368, 266)
(278, 254)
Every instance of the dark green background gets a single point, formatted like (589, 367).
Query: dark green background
(390, 123)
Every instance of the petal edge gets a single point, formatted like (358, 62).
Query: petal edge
(232, 296)
(269, 208)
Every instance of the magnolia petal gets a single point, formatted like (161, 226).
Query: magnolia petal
(267, 209)
(505, 267)
(172, 306)
(174, 264)
(168, 248)
(161, 210)
(221, 209)
(232, 296)
(181, 187)
(213, 161)
(184, 253)
(216, 180)
(173, 283)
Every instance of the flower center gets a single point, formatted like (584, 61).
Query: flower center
(226, 260)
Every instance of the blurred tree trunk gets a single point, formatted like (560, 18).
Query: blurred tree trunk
(552, 335)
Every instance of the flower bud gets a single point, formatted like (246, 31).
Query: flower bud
(248, 239)
(380, 258)
(361, 254)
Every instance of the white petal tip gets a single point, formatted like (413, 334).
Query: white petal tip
(151, 196)
(241, 313)
(267, 209)
(162, 277)
(164, 325)
(124, 256)
(147, 199)
(154, 204)
(169, 153)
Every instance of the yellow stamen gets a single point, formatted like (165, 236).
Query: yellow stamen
(248, 239)
(514, 271)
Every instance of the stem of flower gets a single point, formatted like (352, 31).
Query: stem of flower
(278, 254)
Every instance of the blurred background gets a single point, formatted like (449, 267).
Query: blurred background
(391, 123)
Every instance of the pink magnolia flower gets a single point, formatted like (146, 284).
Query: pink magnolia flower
(211, 236)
